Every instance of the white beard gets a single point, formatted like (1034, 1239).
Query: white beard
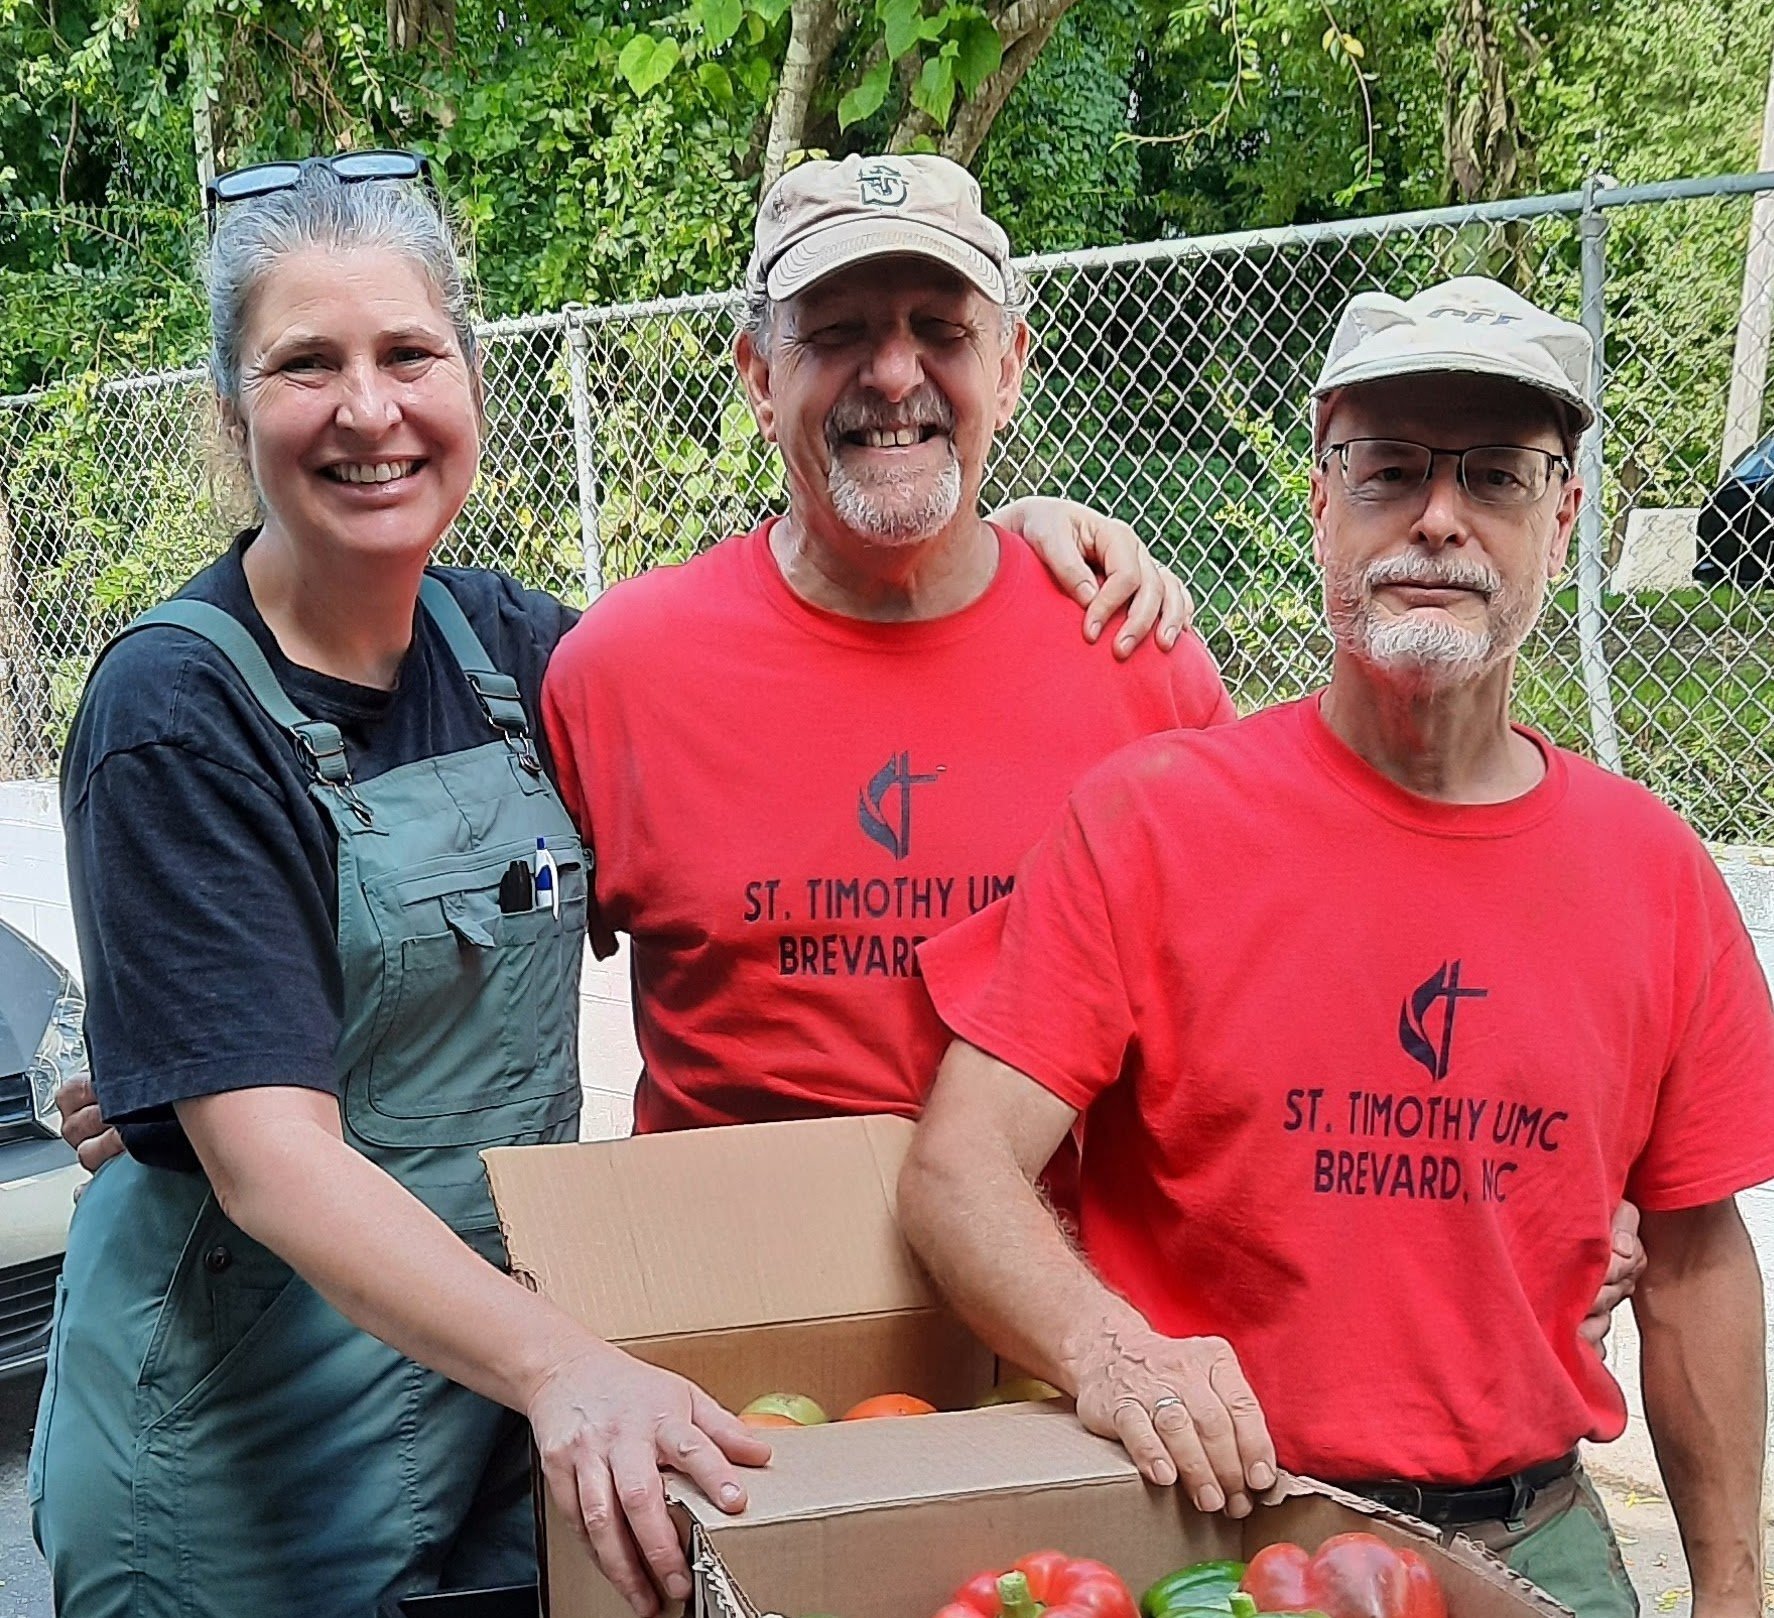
(893, 508)
(1434, 651)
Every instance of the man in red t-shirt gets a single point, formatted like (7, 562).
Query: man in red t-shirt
(1375, 1005)
(814, 746)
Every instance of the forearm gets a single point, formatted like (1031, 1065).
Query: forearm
(393, 1268)
(1703, 1368)
(995, 1250)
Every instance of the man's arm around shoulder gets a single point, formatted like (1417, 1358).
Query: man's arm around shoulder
(1704, 1368)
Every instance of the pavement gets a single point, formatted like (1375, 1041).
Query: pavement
(1641, 1517)
(24, 1581)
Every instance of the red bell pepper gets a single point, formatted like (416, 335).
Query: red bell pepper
(1349, 1576)
(1044, 1584)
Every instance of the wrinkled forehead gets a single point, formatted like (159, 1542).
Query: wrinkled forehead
(1446, 409)
(880, 283)
(325, 292)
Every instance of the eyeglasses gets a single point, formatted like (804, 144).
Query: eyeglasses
(262, 179)
(1382, 469)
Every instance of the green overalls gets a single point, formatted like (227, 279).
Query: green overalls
(215, 1440)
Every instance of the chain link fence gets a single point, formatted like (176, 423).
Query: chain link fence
(1168, 385)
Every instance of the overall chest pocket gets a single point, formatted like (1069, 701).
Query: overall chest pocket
(474, 1040)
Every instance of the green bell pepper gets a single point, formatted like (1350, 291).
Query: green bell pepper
(1202, 1590)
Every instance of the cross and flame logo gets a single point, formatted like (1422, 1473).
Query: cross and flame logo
(871, 804)
(1414, 1033)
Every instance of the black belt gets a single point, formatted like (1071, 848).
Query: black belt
(1496, 1500)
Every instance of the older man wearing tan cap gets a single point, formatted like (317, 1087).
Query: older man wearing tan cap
(1377, 1003)
(817, 744)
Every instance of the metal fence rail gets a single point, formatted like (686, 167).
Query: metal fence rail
(1168, 385)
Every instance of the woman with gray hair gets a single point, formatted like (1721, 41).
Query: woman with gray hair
(309, 818)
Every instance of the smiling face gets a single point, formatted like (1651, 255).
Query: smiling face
(883, 385)
(358, 411)
(1427, 583)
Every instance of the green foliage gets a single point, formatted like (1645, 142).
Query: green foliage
(1054, 170)
(1253, 113)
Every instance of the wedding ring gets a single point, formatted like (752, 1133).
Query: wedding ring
(1159, 1404)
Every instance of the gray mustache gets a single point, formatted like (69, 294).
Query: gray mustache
(1413, 569)
(923, 408)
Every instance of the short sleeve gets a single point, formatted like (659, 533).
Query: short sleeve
(567, 721)
(205, 929)
(1035, 980)
(1712, 1134)
(1200, 694)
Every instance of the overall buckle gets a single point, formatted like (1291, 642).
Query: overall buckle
(324, 749)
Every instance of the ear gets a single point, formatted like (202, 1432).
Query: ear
(1558, 545)
(754, 372)
(230, 423)
(477, 389)
(1013, 366)
(1319, 499)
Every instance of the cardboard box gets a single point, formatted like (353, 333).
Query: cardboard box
(767, 1258)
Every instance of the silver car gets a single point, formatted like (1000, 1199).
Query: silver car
(40, 1046)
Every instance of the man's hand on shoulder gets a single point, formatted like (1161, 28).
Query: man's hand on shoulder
(1104, 565)
(83, 1126)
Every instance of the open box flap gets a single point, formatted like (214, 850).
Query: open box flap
(712, 1229)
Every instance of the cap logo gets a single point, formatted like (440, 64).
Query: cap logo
(881, 185)
(1473, 317)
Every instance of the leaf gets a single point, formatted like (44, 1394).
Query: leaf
(719, 19)
(865, 100)
(716, 80)
(980, 54)
(646, 62)
(770, 10)
(1329, 42)
(934, 92)
(900, 20)
(1354, 46)
(758, 77)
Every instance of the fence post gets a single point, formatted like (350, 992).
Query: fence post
(585, 465)
(1592, 233)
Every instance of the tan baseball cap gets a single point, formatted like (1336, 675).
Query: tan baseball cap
(1470, 324)
(822, 216)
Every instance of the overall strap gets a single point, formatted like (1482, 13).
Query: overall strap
(499, 697)
(320, 743)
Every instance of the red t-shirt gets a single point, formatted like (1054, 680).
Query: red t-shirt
(784, 802)
(1366, 1074)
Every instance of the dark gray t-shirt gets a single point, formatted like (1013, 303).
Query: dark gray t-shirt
(205, 876)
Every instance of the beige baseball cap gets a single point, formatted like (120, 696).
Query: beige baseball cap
(1471, 324)
(822, 216)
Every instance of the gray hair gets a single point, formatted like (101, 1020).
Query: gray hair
(757, 315)
(321, 211)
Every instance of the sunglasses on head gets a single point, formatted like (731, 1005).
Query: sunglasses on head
(262, 179)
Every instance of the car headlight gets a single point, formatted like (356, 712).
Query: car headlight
(61, 1054)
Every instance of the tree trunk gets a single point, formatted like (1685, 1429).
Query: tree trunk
(973, 122)
(1481, 115)
(415, 25)
(813, 35)
(1025, 27)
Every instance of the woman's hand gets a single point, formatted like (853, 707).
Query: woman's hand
(1077, 544)
(606, 1426)
(1626, 1263)
(83, 1126)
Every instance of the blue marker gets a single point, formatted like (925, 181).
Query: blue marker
(547, 891)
